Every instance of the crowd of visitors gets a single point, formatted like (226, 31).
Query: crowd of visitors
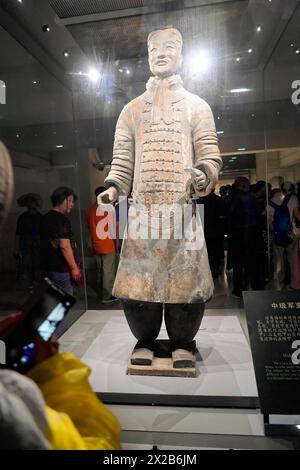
(258, 227)
(251, 229)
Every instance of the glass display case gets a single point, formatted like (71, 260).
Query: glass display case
(36, 125)
(64, 93)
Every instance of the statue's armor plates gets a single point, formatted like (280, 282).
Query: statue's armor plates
(161, 178)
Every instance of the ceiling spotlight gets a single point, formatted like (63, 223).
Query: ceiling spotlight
(238, 59)
(34, 82)
(298, 51)
(292, 44)
(20, 1)
(59, 146)
(259, 28)
(17, 136)
(128, 72)
(94, 75)
(46, 28)
(250, 50)
(199, 62)
(66, 54)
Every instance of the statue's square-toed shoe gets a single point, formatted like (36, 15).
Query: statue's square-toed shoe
(183, 359)
(142, 357)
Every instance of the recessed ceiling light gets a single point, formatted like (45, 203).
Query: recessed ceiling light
(242, 149)
(17, 136)
(250, 50)
(298, 51)
(292, 44)
(20, 1)
(238, 59)
(128, 72)
(259, 28)
(253, 115)
(3, 86)
(66, 54)
(59, 146)
(34, 82)
(46, 28)
(240, 90)
(220, 132)
(219, 117)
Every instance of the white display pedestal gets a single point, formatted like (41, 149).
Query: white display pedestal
(189, 413)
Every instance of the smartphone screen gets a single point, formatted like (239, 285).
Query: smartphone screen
(56, 315)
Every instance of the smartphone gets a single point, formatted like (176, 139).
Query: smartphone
(42, 313)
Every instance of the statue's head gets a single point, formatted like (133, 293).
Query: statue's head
(164, 48)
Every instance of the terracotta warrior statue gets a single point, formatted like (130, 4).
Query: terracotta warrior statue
(165, 150)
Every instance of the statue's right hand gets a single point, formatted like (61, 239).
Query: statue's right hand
(109, 196)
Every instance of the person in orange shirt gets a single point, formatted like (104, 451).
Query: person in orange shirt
(105, 250)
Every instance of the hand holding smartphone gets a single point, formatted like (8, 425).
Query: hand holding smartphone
(42, 313)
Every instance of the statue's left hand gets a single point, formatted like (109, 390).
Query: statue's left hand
(200, 179)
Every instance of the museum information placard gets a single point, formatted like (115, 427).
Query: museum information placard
(273, 319)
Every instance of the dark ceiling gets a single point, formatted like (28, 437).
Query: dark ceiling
(67, 9)
(111, 36)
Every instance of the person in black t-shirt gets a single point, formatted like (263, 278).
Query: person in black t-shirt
(27, 240)
(58, 259)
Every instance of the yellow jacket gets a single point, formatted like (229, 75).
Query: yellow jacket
(77, 419)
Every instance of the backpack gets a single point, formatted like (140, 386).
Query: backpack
(282, 224)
